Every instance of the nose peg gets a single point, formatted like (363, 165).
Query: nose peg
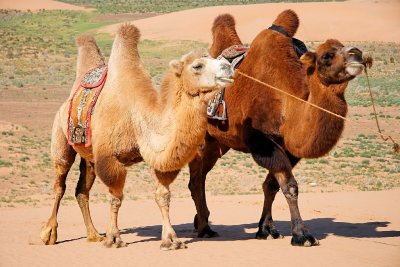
(367, 61)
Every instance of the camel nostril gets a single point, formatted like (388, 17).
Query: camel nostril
(354, 55)
(227, 68)
(355, 51)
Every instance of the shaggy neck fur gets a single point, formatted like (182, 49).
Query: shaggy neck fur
(168, 125)
(310, 132)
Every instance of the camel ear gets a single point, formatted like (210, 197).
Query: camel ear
(308, 60)
(176, 67)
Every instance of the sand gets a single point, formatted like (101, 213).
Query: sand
(356, 20)
(35, 5)
(354, 229)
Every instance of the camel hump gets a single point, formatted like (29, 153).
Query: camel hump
(225, 20)
(85, 40)
(129, 32)
(289, 21)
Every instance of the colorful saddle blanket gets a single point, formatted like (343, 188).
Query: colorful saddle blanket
(81, 106)
(216, 108)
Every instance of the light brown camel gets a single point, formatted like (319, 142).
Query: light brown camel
(275, 128)
(133, 122)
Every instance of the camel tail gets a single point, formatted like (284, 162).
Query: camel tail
(289, 21)
(89, 54)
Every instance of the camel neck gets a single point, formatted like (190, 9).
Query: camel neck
(168, 139)
(311, 132)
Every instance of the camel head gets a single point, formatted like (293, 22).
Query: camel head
(202, 75)
(334, 63)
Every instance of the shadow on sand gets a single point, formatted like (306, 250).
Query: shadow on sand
(320, 228)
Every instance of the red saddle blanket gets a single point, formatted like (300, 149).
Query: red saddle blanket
(81, 106)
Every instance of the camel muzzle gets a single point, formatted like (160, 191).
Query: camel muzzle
(354, 55)
(225, 79)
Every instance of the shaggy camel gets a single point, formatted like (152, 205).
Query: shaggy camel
(164, 129)
(276, 129)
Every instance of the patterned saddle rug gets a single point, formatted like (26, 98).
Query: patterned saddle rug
(216, 108)
(81, 106)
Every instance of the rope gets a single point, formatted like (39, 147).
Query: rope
(395, 145)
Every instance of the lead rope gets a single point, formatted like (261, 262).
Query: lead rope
(395, 145)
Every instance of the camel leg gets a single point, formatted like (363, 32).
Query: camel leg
(85, 183)
(266, 226)
(199, 167)
(268, 154)
(300, 233)
(169, 238)
(63, 156)
(113, 174)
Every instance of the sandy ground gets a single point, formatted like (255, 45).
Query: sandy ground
(35, 5)
(356, 20)
(355, 229)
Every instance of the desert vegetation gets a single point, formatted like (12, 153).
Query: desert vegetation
(144, 6)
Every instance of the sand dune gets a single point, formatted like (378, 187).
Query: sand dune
(357, 20)
(35, 5)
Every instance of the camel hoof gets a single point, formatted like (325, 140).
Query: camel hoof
(95, 238)
(114, 242)
(48, 234)
(175, 245)
(207, 233)
(305, 240)
(196, 223)
(268, 234)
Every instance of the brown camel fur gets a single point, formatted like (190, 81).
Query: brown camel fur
(276, 129)
(133, 122)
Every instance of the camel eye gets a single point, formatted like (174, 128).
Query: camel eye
(327, 56)
(198, 67)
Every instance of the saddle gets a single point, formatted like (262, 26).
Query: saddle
(81, 106)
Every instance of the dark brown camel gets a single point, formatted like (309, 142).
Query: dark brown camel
(276, 129)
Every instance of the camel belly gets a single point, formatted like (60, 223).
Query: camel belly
(128, 158)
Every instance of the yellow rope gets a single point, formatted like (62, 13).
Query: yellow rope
(385, 138)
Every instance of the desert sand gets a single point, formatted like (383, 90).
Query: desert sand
(354, 229)
(35, 5)
(356, 20)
